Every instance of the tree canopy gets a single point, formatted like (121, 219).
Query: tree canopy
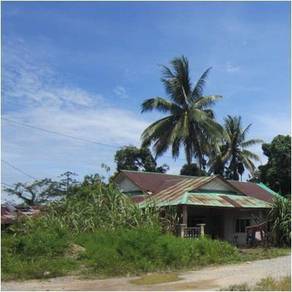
(232, 156)
(189, 121)
(36, 192)
(192, 169)
(133, 158)
(276, 173)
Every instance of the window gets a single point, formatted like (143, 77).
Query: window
(241, 224)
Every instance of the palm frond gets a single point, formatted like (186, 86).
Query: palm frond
(250, 155)
(206, 101)
(160, 104)
(251, 142)
(199, 87)
(152, 132)
(248, 164)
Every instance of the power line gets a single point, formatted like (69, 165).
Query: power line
(70, 136)
(18, 169)
(60, 133)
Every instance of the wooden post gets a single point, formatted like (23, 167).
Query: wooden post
(185, 214)
(202, 229)
(181, 230)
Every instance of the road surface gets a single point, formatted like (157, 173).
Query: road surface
(211, 278)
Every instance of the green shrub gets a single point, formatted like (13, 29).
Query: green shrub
(280, 217)
(147, 250)
(94, 207)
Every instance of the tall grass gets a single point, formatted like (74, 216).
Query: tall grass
(280, 216)
(95, 207)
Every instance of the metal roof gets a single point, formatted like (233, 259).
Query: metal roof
(212, 199)
(171, 188)
(259, 191)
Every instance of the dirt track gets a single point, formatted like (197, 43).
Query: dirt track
(212, 278)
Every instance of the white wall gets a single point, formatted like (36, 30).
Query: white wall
(230, 217)
(217, 185)
(125, 185)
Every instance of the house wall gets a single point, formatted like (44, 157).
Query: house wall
(230, 217)
(218, 185)
(221, 222)
(125, 185)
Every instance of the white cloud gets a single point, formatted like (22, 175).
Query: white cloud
(42, 99)
(31, 81)
(121, 92)
(231, 68)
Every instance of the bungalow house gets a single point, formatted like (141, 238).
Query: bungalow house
(224, 207)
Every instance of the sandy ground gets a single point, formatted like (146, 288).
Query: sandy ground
(212, 278)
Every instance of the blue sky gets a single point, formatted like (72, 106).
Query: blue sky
(84, 69)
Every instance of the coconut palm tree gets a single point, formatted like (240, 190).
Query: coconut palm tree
(189, 122)
(233, 151)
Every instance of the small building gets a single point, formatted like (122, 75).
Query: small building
(224, 207)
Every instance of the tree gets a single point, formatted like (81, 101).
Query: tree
(67, 182)
(133, 158)
(92, 179)
(276, 173)
(192, 169)
(189, 122)
(233, 150)
(37, 192)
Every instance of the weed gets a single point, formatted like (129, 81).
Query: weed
(156, 279)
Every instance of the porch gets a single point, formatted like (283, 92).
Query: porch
(217, 223)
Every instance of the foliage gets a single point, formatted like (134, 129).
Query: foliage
(190, 121)
(280, 217)
(233, 151)
(98, 206)
(192, 169)
(146, 250)
(276, 173)
(266, 284)
(259, 253)
(36, 192)
(67, 182)
(41, 252)
(133, 158)
(36, 252)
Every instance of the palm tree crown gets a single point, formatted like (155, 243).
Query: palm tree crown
(234, 150)
(189, 122)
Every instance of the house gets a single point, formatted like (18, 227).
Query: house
(224, 207)
(10, 214)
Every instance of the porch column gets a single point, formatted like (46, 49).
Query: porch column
(185, 215)
(202, 229)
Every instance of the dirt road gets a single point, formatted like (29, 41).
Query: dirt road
(212, 278)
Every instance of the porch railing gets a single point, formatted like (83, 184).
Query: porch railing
(192, 232)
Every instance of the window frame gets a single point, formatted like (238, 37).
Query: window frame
(238, 222)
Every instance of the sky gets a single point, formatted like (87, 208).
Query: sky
(84, 68)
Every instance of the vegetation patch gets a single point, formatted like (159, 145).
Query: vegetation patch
(156, 278)
(266, 284)
(99, 230)
(259, 253)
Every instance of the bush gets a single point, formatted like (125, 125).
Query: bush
(118, 237)
(35, 254)
(280, 217)
(147, 250)
(97, 206)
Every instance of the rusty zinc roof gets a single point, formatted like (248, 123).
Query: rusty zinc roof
(174, 192)
(208, 199)
(171, 187)
(259, 191)
(152, 181)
